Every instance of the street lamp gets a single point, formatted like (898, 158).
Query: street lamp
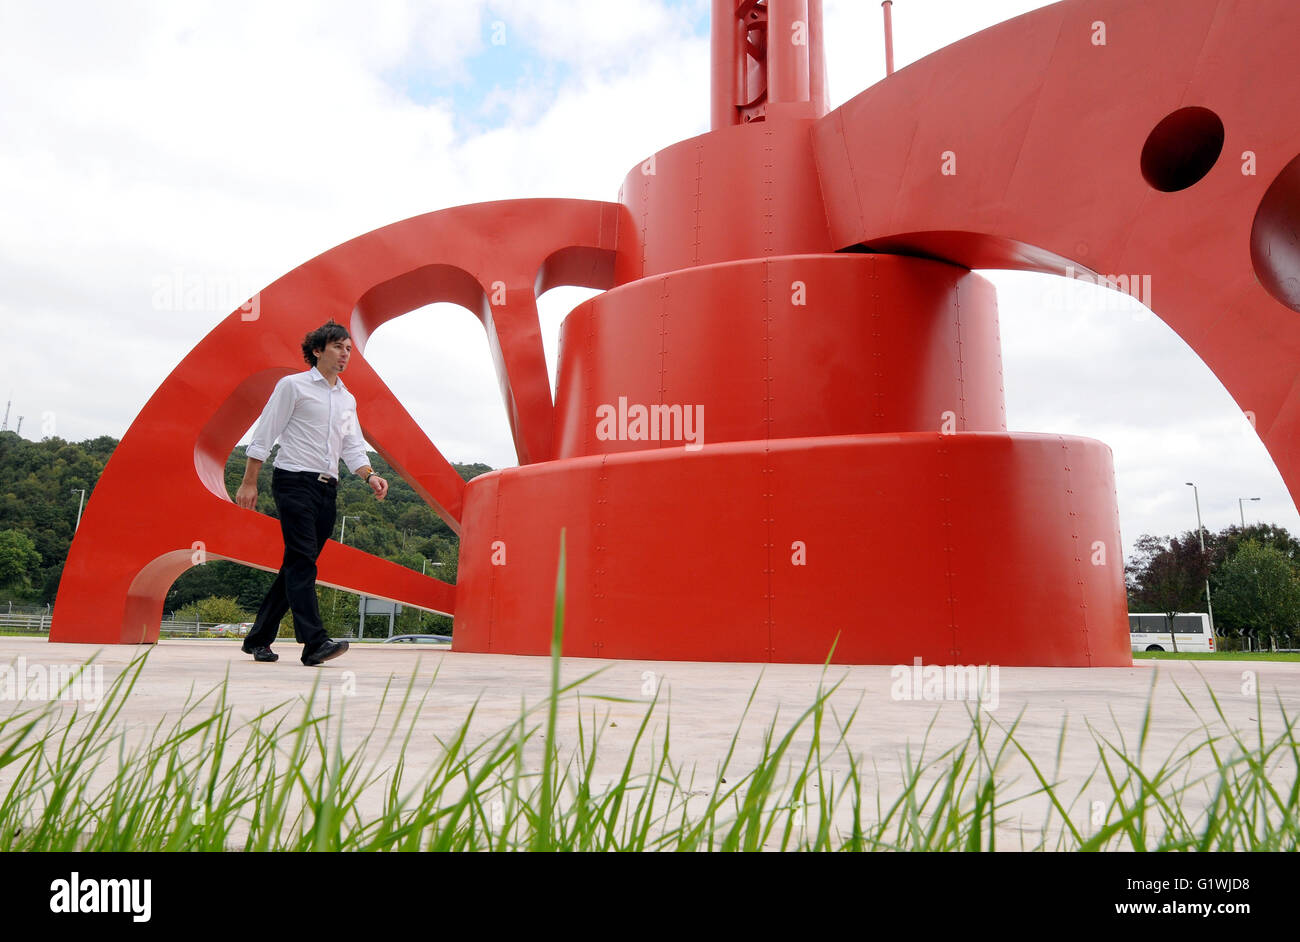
(1200, 532)
(334, 602)
(1241, 510)
(82, 491)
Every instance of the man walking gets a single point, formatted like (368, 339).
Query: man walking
(315, 418)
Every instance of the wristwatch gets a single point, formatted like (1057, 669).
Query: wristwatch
(370, 475)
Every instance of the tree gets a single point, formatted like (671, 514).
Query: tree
(1259, 592)
(449, 557)
(1226, 542)
(1168, 578)
(1167, 574)
(19, 560)
(40, 485)
(36, 483)
(220, 577)
(214, 609)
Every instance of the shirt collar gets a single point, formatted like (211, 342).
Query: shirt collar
(316, 375)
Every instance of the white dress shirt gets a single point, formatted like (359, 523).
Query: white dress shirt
(316, 424)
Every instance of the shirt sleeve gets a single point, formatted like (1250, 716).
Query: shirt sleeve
(274, 418)
(354, 446)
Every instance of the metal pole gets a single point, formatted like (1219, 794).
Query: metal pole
(81, 504)
(888, 5)
(1240, 509)
(726, 64)
(1200, 532)
(334, 599)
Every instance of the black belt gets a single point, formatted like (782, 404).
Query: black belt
(310, 476)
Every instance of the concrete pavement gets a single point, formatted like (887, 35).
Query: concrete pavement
(896, 707)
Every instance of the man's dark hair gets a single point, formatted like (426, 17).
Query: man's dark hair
(320, 338)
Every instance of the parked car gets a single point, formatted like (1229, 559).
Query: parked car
(233, 630)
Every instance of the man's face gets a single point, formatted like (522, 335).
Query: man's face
(334, 357)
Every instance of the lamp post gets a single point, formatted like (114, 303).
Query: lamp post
(334, 602)
(81, 504)
(1200, 532)
(1241, 510)
(888, 6)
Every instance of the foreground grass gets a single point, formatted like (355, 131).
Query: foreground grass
(284, 781)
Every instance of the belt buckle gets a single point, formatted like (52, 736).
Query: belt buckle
(324, 478)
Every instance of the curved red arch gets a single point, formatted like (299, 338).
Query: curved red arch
(161, 504)
(1047, 128)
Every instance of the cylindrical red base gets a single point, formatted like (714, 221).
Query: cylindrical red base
(969, 548)
(793, 346)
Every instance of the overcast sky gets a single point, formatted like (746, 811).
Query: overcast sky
(221, 144)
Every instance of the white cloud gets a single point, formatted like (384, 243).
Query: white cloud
(594, 35)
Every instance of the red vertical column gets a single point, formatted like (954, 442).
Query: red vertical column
(726, 65)
(788, 73)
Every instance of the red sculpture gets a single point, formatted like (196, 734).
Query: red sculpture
(783, 423)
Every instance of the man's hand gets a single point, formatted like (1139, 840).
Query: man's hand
(246, 496)
(379, 486)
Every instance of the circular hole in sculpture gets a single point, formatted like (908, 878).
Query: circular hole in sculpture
(1275, 237)
(1181, 149)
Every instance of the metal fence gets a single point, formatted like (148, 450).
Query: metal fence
(33, 623)
(191, 629)
(37, 623)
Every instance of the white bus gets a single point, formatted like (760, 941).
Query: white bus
(1150, 632)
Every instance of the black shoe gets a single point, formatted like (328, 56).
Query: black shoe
(327, 651)
(261, 653)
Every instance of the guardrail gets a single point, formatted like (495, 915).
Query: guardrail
(19, 622)
(189, 629)
(39, 624)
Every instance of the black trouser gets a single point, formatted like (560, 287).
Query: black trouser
(307, 512)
